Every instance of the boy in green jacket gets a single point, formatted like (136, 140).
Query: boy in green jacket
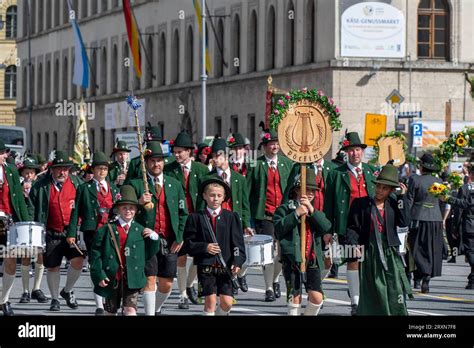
(119, 252)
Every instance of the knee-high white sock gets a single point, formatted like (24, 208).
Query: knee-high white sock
(268, 276)
(221, 312)
(312, 308)
(192, 274)
(353, 283)
(208, 314)
(277, 266)
(161, 299)
(324, 273)
(99, 303)
(39, 271)
(7, 285)
(25, 278)
(71, 278)
(242, 272)
(149, 302)
(53, 279)
(182, 281)
(294, 309)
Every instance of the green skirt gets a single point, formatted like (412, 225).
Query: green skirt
(382, 292)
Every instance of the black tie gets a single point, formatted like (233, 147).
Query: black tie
(59, 186)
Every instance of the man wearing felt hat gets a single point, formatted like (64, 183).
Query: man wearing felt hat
(93, 204)
(12, 202)
(118, 169)
(188, 172)
(52, 200)
(426, 229)
(376, 223)
(167, 218)
(351, 180)
(267, 179)
(237, 157)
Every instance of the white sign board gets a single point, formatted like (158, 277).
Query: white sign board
(434, 131)
(373, 29)
(120, 115)
(417, 134)
(131, 139)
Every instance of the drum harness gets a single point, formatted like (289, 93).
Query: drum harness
(122, 271)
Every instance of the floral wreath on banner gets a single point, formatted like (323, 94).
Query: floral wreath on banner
(313, 95)
(392, 134)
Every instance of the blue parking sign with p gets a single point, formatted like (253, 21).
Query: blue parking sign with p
(417, 129)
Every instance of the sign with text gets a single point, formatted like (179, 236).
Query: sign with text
(374, 126)
(119, 115)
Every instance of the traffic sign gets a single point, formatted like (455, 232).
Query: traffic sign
(410, 114)
(417, 134)
(395, 98)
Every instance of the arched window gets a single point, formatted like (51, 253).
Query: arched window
(93, 73)
(48, 5)
(72, 85)
(40, 17)
(114, 69)
(10, 82)
(48, 85)
(189, 54)
(175, 58)
(103, 72)
(219, 50)
(149, 64)
(39, 86)
(253, 41)
(289, 43)
(310, 32)
(83, 8)
(56, 13)
(433, 29)
(270, 39)
(65, 12)
(104, 6)
(32, 17)
(11, 22)
(94, 7)
(32, 84)
(162, 60)
(65, 78)
(235, 68)
(24, 85)
(125, 68)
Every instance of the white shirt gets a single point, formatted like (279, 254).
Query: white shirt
(353, 169)
(227, 171)
(157, 180)
(55, 183)
(274, 160)
(187, 165)
(211, 212)
(122, 223)
(315, 165)
(101, 183)
(1, 173)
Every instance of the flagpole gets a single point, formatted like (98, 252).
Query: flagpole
(204, 73)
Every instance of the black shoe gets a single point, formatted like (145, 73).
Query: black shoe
(183, 303)
(25, 298)
(353, 309)
(7, 309)
(452, 260)
(70, 299)
(269, 296)
(276, 290)
(192, 295)
(55, 306)
(99, 312)
(425, 285)
(470, 286)
(39, 296)
(235, 291)
(243, 283)
(416, 284)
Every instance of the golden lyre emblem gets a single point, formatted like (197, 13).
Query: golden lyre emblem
(306, 132)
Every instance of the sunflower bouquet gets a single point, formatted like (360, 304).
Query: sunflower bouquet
(455, 180)
(438, 190)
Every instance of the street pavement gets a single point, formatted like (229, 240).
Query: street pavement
(447, 296)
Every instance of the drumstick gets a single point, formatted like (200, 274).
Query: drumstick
(77, 248)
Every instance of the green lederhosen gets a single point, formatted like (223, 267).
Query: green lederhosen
(382, 292)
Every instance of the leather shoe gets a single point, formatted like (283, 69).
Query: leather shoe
(425, 285)
(243, 283)
(452, 260)
(192, 295)
(55, 306)
(70, 299)
(269, 296)
(39, 296)
(276, 290)
(7, 309)
(416, 284)
(235, 291)
(99, 312)
(25, 298)
(183, 303)
(470, 286)
(353, 309)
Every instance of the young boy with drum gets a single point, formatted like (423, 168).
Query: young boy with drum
(118, 256)
(287, 228)
(214, 238)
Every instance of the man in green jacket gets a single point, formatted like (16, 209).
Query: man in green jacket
(267, 179)
(52, 200)
(94, 201)
(126, 243)
(189, 173)
(287, 227)
(118, 169)
(12, 203)
(351, 180)
(167, 218)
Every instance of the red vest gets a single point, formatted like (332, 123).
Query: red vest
(189, 200)
(358, 188)
(105, 201)
(60, 206)
(162, 217)
(227, 205)
(5, 202)
(241, 170)
(309, 243)
(318, 201)
(274, 195)
(122, 240)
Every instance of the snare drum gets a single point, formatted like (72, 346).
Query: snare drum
(5, 222)
(26, 234)
(259, 250)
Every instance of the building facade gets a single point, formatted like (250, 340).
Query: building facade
(8, 61)
(297, 42)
